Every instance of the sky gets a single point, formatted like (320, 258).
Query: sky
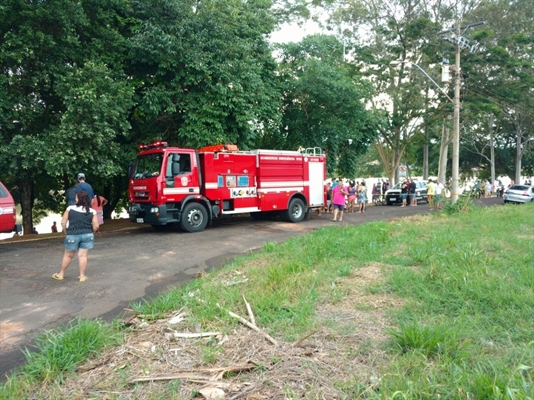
(294, 33)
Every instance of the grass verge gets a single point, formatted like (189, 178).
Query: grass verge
(434, 306)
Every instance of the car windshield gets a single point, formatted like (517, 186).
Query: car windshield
(147, 166)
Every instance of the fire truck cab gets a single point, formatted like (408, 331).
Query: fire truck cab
(170, 185)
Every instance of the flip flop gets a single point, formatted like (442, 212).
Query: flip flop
(83, 279)
(57, 278)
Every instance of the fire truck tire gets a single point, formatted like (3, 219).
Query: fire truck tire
(296, 211)
(194, 217)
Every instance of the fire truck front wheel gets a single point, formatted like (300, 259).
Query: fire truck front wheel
(296, 211)
(194, 217)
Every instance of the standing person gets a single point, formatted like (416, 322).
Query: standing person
(430, 192)
(362, 197)
(54, 227)
(412, 188)
(488, 189)
(98, 204)
(439, 188)
(374, 194)
(83, 186)
(338, 199)
(352, 197)
(70, 195)
(379, 190)
(329, 197)
(82, 223)
(404, 192)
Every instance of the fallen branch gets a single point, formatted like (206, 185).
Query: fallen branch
(298, 342)
(249, 310)
(253, 327)
(172, 334)
(196, 375)
(195, 335)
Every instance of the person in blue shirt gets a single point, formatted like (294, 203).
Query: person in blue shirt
(83, 186)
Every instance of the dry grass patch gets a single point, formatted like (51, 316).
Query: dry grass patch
(343, 350)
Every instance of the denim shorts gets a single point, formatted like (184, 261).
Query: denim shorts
(84, 241)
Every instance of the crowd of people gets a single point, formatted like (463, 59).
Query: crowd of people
(352, 196)
(341, 196)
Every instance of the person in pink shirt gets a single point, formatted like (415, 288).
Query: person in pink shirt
(98, 204)
(338, 200)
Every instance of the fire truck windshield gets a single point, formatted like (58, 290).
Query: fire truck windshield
(147, 166)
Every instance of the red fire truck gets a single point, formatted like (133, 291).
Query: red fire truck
(170, 185)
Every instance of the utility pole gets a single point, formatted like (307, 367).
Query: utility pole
(456, 126)
(460, 43)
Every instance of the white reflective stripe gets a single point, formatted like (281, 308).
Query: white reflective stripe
(283, 184)
(241, 210)
(288, 189)
(185, 190)
(211, 185)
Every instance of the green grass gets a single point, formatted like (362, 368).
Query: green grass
(465, 329)
(58, 352)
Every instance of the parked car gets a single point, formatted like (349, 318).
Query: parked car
(7, 210)
(519, 194)
(393, 195)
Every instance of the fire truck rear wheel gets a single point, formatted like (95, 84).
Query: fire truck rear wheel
(296, 211)
(194, 217)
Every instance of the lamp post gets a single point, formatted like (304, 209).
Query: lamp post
(456, 125)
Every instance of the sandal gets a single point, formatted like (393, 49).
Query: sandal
(57, 277)
(83, 279)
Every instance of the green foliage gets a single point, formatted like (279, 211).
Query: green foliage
(65, 98)
(205, 72)
(62, 349)
(324, 103)
(464, 203)
(430, 341)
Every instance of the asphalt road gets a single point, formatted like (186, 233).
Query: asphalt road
(128, 265)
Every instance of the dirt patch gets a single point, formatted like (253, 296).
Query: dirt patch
(344, 352)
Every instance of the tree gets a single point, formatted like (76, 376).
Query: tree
(404, 31)
(204, 72)
(498, 82)
(64, 97)
(324, 103)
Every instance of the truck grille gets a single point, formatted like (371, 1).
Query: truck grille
(141, 195)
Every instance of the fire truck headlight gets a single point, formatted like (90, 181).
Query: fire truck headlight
(154, 210)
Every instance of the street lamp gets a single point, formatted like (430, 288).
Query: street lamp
(456, 127)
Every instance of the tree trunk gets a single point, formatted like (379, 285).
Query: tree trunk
(425, 155)
(26, 202)
(518, 157)
(492, 150)
(443, 153)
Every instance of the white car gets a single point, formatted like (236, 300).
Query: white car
(519, 194)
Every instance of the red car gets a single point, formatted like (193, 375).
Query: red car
(7, 210)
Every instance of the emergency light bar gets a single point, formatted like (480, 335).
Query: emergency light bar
(153, 145)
